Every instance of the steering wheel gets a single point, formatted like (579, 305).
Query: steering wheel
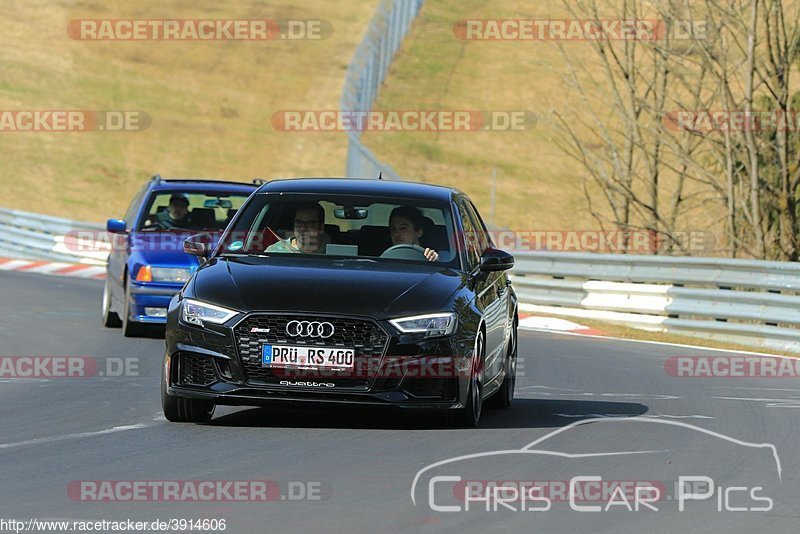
(405, 251)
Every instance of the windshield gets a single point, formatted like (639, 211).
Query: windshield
(178, 210)
(367, 228)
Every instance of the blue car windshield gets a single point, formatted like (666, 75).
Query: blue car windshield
(177, 210)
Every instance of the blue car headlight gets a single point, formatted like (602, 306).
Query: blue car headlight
(197, 313)
(170, 274)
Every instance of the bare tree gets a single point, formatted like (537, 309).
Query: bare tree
(746, 181)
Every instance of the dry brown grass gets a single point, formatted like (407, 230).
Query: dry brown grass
(537, 185)
(210, 102)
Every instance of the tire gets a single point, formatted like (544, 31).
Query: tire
(504, 396)
(129, 328)
(109, 319)
(182, 410)
(469, 416)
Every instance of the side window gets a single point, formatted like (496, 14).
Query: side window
(258, 237)
(130, 215)
(482, 234)
(470, 236)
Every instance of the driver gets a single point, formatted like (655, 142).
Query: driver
(177, 213)
(309, 231)
(406, 228)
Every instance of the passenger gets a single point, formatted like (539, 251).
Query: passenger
(406, 225)
(309, 232)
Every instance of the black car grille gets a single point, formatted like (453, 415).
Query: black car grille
(196, 370)
(365, 336)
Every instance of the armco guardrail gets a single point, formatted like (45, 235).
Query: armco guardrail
(755, 303)
(366, 73)
(27, 235)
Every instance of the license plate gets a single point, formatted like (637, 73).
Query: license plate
(305, 356)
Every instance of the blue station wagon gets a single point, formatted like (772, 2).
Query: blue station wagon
(147, 264)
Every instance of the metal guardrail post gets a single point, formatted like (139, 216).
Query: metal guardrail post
(366, 73)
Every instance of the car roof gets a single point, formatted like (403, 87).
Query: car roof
(196, 184)
(360, 186)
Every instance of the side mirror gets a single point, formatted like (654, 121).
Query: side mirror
(116, 226)
(198, 245)
(496, 260)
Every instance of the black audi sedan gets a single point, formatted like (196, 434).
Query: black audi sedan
(345, 292)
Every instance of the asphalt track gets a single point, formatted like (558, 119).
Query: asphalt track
(362, 465)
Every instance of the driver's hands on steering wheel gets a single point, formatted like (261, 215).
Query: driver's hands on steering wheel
(426, 253)
(431, 254)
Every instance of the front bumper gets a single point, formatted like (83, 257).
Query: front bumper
(411, 373)
(153, 295)
(231, 395)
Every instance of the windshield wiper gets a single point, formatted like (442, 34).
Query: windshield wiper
(345, 258)
(238, 254)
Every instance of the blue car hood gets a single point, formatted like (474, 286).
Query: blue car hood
(162, 249)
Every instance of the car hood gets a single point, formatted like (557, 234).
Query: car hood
(162, 249)
(384, 289)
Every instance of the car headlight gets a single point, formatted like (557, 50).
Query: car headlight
(432, 324)
(170, 274)
(196, 312)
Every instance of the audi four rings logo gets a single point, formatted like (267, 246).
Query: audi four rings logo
(310, 329)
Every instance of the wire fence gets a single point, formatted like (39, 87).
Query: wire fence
(366, 73)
